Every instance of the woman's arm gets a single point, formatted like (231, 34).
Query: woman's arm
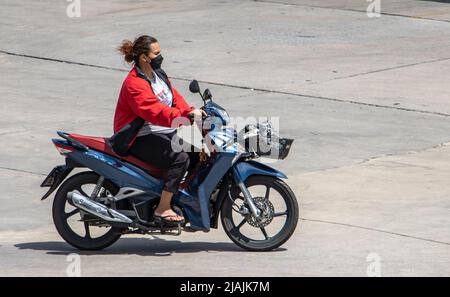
(180, 103)
(145, 104)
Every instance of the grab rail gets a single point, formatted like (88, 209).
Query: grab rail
(73, 142)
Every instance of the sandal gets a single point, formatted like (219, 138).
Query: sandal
(164, 220)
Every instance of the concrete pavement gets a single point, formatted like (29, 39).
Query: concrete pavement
(367, 100)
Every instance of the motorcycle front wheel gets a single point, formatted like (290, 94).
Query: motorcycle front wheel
(277, 222)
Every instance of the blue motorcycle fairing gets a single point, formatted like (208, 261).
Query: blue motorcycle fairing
(214, 109)
(120, 173)
(197, 208)
(194, 202)
(248, 168)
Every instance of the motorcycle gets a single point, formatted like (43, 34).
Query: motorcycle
(118, 195)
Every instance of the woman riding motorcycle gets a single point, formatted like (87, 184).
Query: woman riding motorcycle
(147, 93)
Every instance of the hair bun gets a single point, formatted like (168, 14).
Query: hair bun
(132, 50)
(126, 49)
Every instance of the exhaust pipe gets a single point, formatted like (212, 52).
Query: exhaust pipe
(97, 209)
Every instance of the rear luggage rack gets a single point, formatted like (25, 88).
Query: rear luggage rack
(76, 144)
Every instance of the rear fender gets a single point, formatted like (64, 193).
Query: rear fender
(55, 178)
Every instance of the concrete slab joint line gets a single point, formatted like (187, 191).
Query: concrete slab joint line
(352, 10)
(250, 88)
(375, 230)
(21, 170)
(367, 160)
(392, 68)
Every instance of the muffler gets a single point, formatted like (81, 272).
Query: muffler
(97, 209)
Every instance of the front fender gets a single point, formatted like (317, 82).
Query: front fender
(240, 172)
(248, 168)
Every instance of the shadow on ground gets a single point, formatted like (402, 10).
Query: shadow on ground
(136, 246)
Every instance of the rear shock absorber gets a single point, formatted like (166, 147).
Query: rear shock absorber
(97, 188)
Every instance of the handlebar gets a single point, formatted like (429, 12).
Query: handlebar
(191, 117)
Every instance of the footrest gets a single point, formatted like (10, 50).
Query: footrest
(170, 230)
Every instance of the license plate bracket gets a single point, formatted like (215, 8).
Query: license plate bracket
(53, 176)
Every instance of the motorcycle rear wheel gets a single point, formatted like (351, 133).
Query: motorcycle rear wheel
(233, 222)
(61, 217)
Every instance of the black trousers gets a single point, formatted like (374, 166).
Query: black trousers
(165, 151)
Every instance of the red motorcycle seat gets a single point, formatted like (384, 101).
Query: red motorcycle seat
(99, 144)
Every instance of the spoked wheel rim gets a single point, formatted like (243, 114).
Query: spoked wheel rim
(279, 214)
(76, 226)
(267, 216)
(78, 220)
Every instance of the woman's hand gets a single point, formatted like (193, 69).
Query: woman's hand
(197, 114)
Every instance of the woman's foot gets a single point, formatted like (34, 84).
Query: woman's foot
(168, 215)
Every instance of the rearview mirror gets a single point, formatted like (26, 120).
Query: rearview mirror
(207, 94)
(194, 87)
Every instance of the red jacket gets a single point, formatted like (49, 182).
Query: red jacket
(137, 99)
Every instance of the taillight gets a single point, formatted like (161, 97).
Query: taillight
(63, 150)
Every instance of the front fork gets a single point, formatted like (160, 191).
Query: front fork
(247, 196)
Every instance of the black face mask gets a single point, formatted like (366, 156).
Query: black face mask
(156, 62)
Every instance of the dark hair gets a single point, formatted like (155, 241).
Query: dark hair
(132, 50)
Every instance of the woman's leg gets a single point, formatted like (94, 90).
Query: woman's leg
(156, 149)
(193, 152)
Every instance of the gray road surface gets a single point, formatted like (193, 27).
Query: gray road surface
(367, 100)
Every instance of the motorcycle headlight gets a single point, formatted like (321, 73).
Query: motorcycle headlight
(263, 140)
